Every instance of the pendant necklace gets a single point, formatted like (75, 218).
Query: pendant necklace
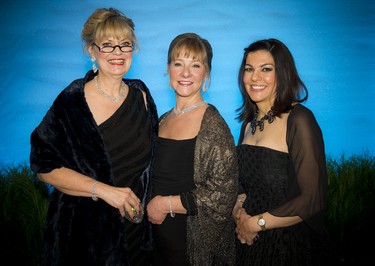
(188, 109)
(270, 117)
(110, 97)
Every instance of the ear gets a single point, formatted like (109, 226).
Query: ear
(91, 51)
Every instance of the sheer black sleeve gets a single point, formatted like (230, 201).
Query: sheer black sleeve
(307, 191)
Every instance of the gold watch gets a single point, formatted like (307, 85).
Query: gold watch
(262, 222)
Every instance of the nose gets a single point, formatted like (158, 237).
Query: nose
(186, 72)
(255, 76)
(117, 51)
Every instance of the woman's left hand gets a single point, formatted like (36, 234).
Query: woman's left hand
(155, 212)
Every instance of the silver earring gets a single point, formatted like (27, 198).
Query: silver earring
(94, 67)
(205, 85)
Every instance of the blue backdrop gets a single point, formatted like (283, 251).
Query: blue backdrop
(333, 43)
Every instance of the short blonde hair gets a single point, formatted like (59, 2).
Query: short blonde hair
(194, 46)
(107, 22)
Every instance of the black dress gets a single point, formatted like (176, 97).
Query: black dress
(172, 175)
(287, 184)
(126, 134)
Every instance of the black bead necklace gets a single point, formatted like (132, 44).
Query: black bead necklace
(270, 117)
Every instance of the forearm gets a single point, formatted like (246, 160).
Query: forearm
(175, 205)
(168, 205)
(69, 181)
(271, 222)
(161, 206)
(75, 184)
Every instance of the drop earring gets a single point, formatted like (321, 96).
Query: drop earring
(205, 85)
(94, 67)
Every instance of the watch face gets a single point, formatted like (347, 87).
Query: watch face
(261, 222)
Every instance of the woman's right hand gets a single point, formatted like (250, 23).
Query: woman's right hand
(121, 198)
(235, 212)
(244, 231)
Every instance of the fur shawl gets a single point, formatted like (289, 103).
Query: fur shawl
(78, 227)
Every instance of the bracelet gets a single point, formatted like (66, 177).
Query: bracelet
(171, 213)
(94, 196)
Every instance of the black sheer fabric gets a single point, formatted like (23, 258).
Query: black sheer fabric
(287, 184)
(126, 135)
(307, 194)
(172, 175)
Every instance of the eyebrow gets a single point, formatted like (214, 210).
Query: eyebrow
(112, 39)
(263, 65)
(193, 59)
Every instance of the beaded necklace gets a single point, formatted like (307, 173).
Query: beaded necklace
(270, 117)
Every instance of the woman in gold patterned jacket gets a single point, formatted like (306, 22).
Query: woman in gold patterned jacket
(195, 169)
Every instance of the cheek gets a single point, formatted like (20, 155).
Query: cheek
(270, 79)
(173, 73)
(246, 77)
(100, 56)
(200, 75)
(130, 59)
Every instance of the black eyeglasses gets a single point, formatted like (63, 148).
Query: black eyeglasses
(110, 49)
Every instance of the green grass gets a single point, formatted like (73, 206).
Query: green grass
(24, 202)
(350, 210)
(351, 207)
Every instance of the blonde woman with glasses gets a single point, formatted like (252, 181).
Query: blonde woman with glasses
(95, 147)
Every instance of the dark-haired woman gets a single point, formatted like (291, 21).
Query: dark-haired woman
(282, 164)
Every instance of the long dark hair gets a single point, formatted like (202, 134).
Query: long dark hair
(289, 89)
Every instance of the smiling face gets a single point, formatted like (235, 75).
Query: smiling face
(116, 63)
(260, 78)
(187, 74)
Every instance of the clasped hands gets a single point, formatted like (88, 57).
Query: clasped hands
(243, 228)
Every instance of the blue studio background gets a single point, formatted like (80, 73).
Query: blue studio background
(333, 43)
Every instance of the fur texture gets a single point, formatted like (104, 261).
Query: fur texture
(78, 229)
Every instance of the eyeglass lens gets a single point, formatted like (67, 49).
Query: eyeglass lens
(110, 49)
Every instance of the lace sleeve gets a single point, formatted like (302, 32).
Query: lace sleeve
(307, 193)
